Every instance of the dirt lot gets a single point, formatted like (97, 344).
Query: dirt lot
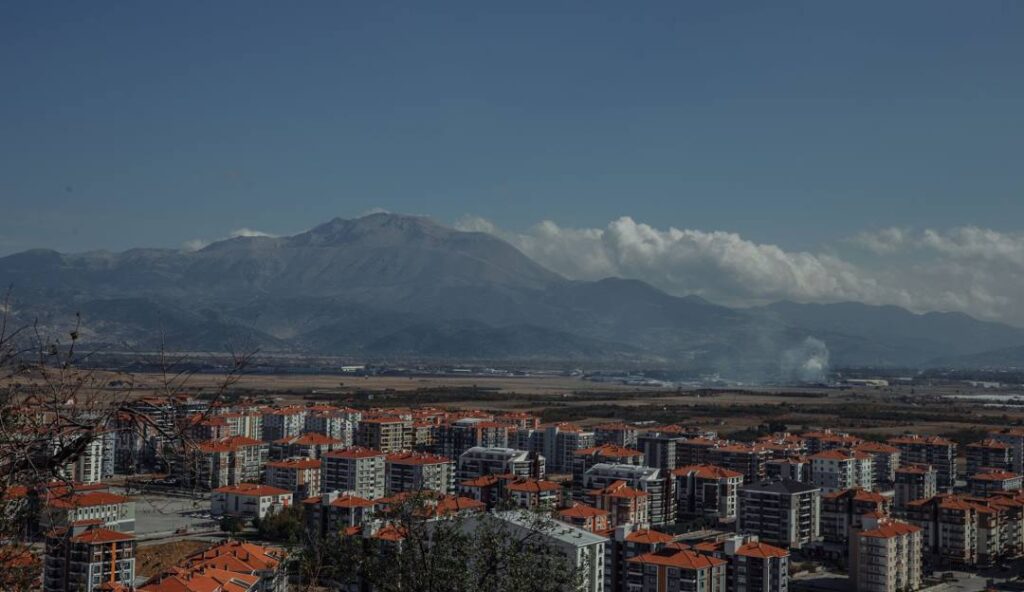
(153, 559)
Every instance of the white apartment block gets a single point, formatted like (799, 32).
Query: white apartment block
(359, 471)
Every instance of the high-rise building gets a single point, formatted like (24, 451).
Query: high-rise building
(886, 556)
(786, 513)
(87, 559)
(707, 491)
(938, 452)
(357, 470)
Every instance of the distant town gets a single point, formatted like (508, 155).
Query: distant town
(629, 505)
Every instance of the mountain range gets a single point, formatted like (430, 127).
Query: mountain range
(390, 288)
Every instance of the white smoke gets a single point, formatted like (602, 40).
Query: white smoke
(807, 362)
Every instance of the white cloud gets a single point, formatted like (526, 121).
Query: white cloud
(197, 244)
(194, 245)
(248, 232)
(968, 269)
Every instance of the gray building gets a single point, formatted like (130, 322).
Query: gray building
(781, 512)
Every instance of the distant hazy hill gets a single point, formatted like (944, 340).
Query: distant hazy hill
(400, 287)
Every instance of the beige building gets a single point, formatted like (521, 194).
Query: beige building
(886, 556)
(359, 471)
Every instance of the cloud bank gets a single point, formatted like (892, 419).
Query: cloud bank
(974, 270)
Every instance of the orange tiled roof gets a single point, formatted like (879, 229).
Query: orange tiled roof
(761, 550)
(354, 452)
(252, 490)
(680, 558)
(707, 471)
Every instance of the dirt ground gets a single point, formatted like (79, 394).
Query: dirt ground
(151, 560)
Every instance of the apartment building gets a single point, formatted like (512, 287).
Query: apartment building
(453, 439)
(306, 445)
(583, 550)
(842, 512)
(479, 461)
(586, 517)
(753, 566)
(747, 459)
(988, 454)
(335, 513)
(624, 504)
(707, 491)
(605, 453)
(561, 441)
(333, 423)
(784, 513)
(530, 493)
(822, 440)
(625, 542)
(1014, 438)
(914, 482)
(938, 452)
(659, 486)
(886, 556)
(301, 476)
(797, 468)
(661, 449)
(418, 471)
(677, 569)
(283, 423)
(111, 511)
(249, 500)
(88, 559)
(837, 469)
(885, 460)
(218, 463)
(990, 481)
(617, 434)
(960, 531)
(387, 434)
(357, 470)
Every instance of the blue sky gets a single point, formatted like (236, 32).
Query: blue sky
(744, 151)
(792, 123)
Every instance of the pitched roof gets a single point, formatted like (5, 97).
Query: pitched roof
(252, 490)
(707, 471)
(648, 537)
(101, 535)
(354, 452)
(680, 558)
(761, 550)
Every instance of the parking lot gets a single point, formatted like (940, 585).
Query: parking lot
(158, 516)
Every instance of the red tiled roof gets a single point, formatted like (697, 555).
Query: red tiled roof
(354, 452)
(680, 558)
(416, 458)
(707, 472)
(101, 535)
(252, 490)
(648, 537)
(761, 550)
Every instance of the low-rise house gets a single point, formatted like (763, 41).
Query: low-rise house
(249, 500)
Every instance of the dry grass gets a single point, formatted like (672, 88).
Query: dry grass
(153, 559)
